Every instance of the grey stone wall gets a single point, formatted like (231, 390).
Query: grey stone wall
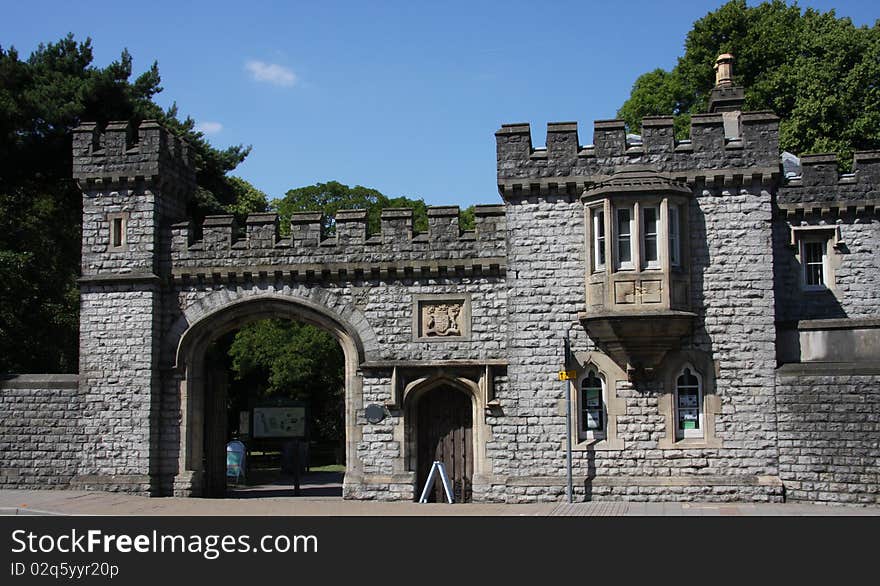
(733, 297)
(545, 291)
(854, 290)
(118, 376)
(829, 433)
(847, 205)
(732, 289)
(41, 436)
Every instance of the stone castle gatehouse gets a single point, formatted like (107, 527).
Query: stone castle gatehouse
(721, 312)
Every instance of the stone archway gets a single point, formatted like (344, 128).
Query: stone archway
(191, 373)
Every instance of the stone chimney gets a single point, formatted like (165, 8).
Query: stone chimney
(727, 98)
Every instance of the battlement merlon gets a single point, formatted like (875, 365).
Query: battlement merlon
(821, 186)
(307, 234)
(123, 154)
(565, 162)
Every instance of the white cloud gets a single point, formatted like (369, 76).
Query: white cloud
(209, 127)
(271, 73)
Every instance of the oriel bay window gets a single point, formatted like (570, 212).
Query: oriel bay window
(638, 283)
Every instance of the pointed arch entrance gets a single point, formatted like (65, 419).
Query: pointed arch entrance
(199, 450)
(446, 434)
(444, 423)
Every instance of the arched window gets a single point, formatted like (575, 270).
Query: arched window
(592, 405)
(688, 404)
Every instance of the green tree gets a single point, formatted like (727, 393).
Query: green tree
(281, 358)
(41, 99)
(816, 71)
(247, 199)
(333, 196)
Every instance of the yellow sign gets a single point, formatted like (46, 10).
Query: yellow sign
(566, 375)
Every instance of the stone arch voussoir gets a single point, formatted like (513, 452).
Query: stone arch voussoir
(313, 305)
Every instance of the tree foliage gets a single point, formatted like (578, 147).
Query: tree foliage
(42, 98)
(333, 196)
(819, 73)
(281, 358)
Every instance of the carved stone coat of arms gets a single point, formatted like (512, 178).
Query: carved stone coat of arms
(441, 319)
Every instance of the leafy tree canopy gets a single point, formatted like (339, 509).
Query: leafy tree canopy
(41, 99)
(333, 196)
(281, 358)
(819, 73)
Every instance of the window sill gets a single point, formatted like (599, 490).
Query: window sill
(689, 443)
(596, 444)
(815, 288)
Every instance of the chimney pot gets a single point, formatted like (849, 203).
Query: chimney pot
(724, 70)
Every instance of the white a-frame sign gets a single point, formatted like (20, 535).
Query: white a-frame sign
(436, 468)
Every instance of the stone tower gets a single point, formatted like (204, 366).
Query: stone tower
(134, 183)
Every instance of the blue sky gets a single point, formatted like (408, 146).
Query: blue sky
(400, 96)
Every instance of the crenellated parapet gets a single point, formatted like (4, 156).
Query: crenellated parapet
(307, 251)
(822, 188)
(566, 166)
(122, 154)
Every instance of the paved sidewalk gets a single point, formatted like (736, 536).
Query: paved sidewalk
(71, 502)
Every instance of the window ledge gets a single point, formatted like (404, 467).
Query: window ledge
(815, 289)
(597, 445)
(689, 443)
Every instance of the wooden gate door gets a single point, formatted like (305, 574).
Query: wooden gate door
(215, 432)
(445, 433)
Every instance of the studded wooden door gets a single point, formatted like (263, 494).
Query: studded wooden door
(445, 434)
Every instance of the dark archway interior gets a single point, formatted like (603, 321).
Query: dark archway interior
(277, 386)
